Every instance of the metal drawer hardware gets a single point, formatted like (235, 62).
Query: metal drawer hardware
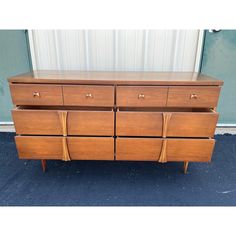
(193, 96)
(89, 95)
(141, 96)
(36, 94)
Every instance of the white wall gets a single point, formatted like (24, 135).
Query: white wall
(120, 50)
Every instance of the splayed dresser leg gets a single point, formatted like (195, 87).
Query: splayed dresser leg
(44, 165)
(185, 167)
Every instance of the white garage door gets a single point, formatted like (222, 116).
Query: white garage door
(119, 50)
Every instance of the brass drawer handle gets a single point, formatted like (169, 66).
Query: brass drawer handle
(36, 94)
(89, 95)
(141, 96)
(193, 96)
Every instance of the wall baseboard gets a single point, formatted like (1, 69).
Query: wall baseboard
(233, 125)
(7, 127)
(6, 123)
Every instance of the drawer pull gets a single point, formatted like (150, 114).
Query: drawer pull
(193, 96)
(66, 154)
(36, 94)
(63, 120)
(89, 95)
(141, 96)
(162, 158)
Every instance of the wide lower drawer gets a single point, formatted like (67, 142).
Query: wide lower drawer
(193, 96)
(179, 124)
(88, 95)
(49, 122)
(150, 149)
(141, 96)
(79, 148)
(30, 94)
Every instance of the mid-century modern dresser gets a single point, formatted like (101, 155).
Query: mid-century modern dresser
(115, 116)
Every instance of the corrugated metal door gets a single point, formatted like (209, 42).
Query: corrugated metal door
(119, 50)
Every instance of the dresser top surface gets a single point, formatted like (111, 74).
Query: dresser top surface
(113, 78)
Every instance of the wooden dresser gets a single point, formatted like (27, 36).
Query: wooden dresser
(116, 116)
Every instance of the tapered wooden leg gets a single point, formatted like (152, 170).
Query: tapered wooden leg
(185, 167)
(44, 165)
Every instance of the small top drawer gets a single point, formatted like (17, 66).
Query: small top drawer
(141, 96)
(193, 96)
(86, 95)
(30, 94)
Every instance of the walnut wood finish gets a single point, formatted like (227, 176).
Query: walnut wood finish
(166, 120)
(91, 123)
(47, 122)
(163, 156)
(61, 148)
(198, 150)
(39, 147)
(86, 95)
(141, 96)
(66, 153)
(192, 124)
(137, 116)
(194, 96)
(138, 123)
(115, 77)
(28, 94)
(63, 120)
(162, 150)
(138, 149)
(37, 122)
(44, 165)
(90, 148)
(178, 124)
(185, 167)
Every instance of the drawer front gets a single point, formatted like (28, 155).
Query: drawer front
(193, 96)
(180, 124)
(35, 122)
(141, 96)
(86, 95)
(47, 122)
(197, 150)
(138, 149)
(27, 94)
(138, 124)
(36, 147)
(91, 148)
(91, 123)
(192, 124)
(79, 148)
(149, 149)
